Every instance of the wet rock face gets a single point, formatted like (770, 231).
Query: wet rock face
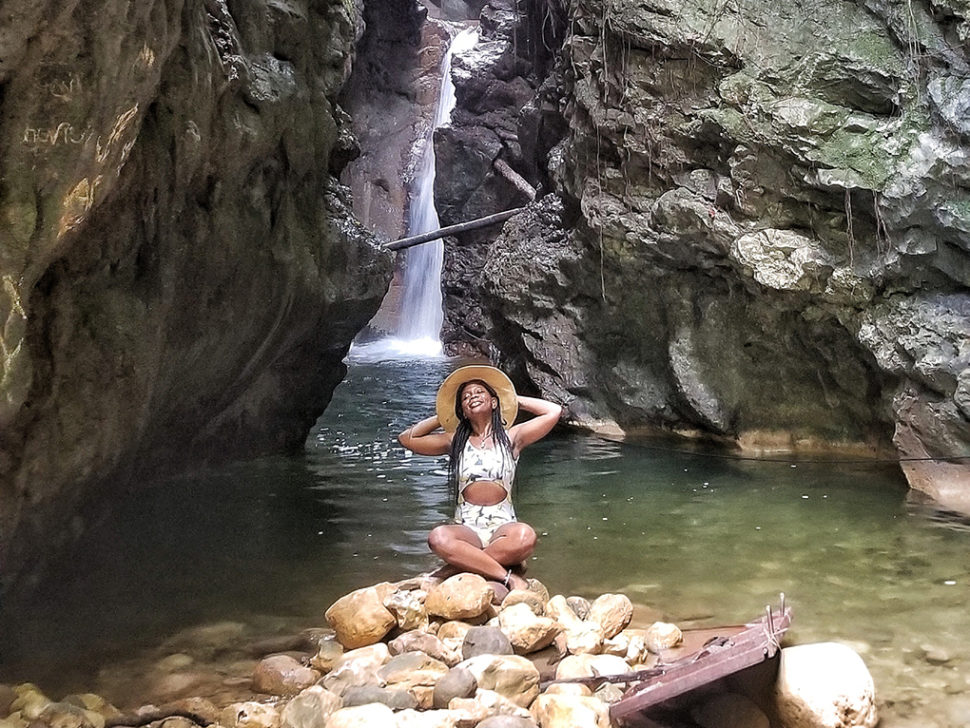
(756, 234)
(180, 275)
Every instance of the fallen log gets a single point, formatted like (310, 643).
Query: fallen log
(452, 230)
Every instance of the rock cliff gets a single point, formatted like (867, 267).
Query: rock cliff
(180, 275)
(756, 226)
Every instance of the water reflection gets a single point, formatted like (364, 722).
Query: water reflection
(693, 538)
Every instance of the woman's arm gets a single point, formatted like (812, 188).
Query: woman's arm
(422, 438)
(546, 416)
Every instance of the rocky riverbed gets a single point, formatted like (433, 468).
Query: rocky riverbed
(456, 652)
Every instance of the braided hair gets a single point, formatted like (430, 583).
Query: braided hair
(464, 431)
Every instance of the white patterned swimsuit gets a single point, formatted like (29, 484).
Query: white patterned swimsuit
(485, 464)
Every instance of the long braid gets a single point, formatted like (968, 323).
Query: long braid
(464, 431)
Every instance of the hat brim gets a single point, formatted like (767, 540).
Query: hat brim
(495, 378)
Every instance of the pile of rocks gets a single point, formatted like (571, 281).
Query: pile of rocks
(427, 653)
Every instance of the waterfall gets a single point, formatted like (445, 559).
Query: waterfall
(421, 314)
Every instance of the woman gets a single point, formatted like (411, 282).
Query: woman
(476, 408)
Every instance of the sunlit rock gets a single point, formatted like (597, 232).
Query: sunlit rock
(824, 685)
(310, 709)
(487, 703)
(577, 689)
(357, 667)
(581, 637)
(329, 650)
(457, 683)
(570, 711)
(30, 701)
(251, 715)
(526, 631)
(612, 612)
(418, 641)
(395, 698)
(282, 675)
(518, 596)
(360, 618)
(485, 641)
(573, 666)
(463, 596)
(512, 676)
(430, 719)
(373, 715)
(408, 609)
(661, 636)
(414, 672)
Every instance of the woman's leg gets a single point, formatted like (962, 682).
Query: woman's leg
(461, 547)
(510, 545)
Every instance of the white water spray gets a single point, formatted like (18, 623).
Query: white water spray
(421, 314)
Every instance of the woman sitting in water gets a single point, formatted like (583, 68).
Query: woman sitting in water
(476, 406)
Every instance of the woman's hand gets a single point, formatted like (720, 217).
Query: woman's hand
(423, 439)
(546, 413)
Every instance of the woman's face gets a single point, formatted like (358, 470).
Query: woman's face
(476, 399)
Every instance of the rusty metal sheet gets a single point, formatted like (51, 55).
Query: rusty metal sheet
(722, 656)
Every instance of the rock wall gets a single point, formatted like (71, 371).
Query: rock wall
(758, 226)
(181, 274)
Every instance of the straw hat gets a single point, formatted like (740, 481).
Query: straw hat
(495, 378)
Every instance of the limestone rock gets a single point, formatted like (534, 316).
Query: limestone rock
(507, 721)
(360, 618)
(373, 715)
(581, 637)
(357, 667)
(526, 631)
(824, 685)
(418, 641)
(329, 650)
(487, 703)
(662, 636)
(512, 676)
(251, 715)
(612, 612)
(310, 709)
(569, 711)
(590, 665)
(579, 605)
(429, 719)
(577, 689)
(408, 609)
(457, 683)
(463, 596)
(395, 698)
(412, 670)
(729, 710)
(518, 596)
(282, 675)
(453, 629)
(485, 641)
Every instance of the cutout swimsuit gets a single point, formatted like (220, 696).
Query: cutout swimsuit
(485, 464)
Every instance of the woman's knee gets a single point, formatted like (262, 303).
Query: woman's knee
(515, 542)
(438, 539)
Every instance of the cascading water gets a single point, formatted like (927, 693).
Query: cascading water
(419, 323)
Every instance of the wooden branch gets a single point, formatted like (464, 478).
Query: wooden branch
(517, 180)
(452, 230)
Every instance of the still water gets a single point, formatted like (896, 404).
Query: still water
(690, 537)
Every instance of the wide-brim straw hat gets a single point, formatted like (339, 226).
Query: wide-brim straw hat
(495, 378)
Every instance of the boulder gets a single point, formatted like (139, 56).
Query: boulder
(661, 636)
(430, 719)
(415, 672)
(357, 667)
(373, 715)
(282, 675)
(579, 605)
(824, 685)
(526, 596)
(396, 698)
(612, 612)
(488, 703)
(329, 650)
(526, 631)
(360, 618)
(312, 708)
(457, 683)
(251, 715)
(581, 637)
(507, 721)
(463, 596)
(512, 676)
(453, 630)
(570, 711)
(579, 689)
(407, 606)
(729, 710)
(485, 641)
(418, 641)
(590, 666)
